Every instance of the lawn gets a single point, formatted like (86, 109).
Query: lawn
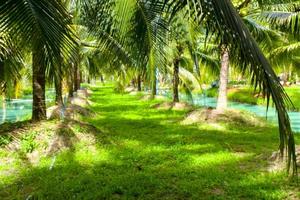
(247, 95)
(134, 151)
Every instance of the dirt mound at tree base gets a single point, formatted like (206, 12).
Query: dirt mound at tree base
(180, 106)
(76, 105)
(34, 141)
(75, 109)
(134, 93)
(148, 97)
(277, 163)
(210, 115)
(80, 101)
(84, 93)
(71, 111)
(65, 136)
(130, 89)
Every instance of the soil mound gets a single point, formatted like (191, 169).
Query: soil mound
(130, 89)
(277, 163)
(83, 93)
(173, 106)
(71, 111)
(49, 138)
(80, 101)
(149, 97)
(210, 115)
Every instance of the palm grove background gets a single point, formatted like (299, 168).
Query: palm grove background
(183, 44)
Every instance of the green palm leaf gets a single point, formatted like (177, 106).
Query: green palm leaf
(222, 18)
(43, 21)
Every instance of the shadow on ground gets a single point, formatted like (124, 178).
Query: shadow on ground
(143, 153)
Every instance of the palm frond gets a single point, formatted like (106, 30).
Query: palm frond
(222, 18)
(283, 15)
(33, 22)
(11, 62)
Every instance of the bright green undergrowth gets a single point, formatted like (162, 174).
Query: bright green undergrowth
(247, 95)
(137, 152)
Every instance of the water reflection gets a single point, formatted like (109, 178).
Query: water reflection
(15, 110)
(20, 109)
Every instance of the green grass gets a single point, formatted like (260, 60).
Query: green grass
(242, 95)
(141, 153)
(294, 94)
(247, 95)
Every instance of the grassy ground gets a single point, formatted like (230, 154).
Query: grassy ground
(136, 152)
(246, 95)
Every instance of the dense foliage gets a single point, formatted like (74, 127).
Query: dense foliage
(182, 44)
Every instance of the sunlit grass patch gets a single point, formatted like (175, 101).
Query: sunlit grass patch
(132, 151)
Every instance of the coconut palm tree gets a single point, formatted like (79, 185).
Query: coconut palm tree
(221, 17)
(179, 32)
(222, 101)
(43, 26)
(264, 35)
(136, 28)
(184, 44)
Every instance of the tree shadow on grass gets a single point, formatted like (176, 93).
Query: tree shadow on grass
(33, 147)
(155, 157)
(159, 174)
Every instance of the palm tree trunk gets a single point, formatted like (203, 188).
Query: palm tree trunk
(3, 94)
(16, 89)
(76, 78)
(102, 79)
(176, 74)
(153, 69)
(58, 91)
(139, 83)
(196, 64)
(38, 86)
(70, 88)
(176, 81)
(70, 82)
(153, 84)
(133, 83)
(222, 98)
(80, 78)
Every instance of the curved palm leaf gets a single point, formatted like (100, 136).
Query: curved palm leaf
(287, 53)
(43, 21)
(10, 62)
(284, 15)
(222, 18)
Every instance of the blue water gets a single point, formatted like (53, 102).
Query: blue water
(271, 115)
(20, 109)
(15, 110)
